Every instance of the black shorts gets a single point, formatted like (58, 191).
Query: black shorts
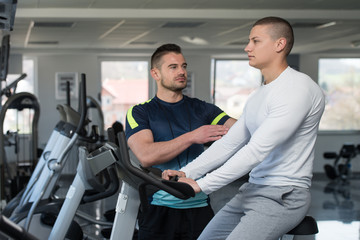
(163, 223)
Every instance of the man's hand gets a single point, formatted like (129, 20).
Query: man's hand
(167, 174)
(191, 182)
(208, 133)
(152, 153)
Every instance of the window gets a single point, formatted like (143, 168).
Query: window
(124, 84)
(20, 121)
(340, 80)
(234, 80)
(28, 83)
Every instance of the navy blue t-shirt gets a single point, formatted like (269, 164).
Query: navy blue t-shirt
(170, 120)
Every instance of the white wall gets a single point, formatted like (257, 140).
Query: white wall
(47, 68)
(199, 64)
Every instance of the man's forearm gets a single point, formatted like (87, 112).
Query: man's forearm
(155, 153)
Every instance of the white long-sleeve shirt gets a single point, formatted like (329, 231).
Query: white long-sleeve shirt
(273, 139)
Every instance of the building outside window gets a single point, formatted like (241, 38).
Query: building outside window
(124, 84)
(233, 82)
(340, 80)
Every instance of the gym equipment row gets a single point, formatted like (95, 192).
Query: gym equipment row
(38, 196)
(128, 201)
(340, 169)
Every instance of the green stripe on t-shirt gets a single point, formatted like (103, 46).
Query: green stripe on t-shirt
(218, 118)
(133, 124)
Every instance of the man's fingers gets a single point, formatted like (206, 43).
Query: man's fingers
(166, 174)
(218, 130)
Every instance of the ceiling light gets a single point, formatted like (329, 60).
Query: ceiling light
(194, 40)
(43, 42)
(182, 24)
(355, 44)
(325, 25)
(54, 24)
(143, 43)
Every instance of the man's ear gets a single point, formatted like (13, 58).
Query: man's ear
(280, 44)
(155, 73)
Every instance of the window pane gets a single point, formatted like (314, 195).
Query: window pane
(27, 85)
(124, 84)
(340, 80)
(234, 81)
(20, 120)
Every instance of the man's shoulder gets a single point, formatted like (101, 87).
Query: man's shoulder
(139, 110)
(144, 104)
(196, 102)
(140, 107)
(137, 117)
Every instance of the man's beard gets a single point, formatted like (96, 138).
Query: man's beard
(173, 87)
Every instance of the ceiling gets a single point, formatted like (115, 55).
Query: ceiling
(141, 25)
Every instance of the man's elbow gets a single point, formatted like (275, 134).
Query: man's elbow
(230, 122)
(145, 164)
(145, 161)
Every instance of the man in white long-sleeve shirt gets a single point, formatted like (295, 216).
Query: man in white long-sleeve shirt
(273, 139)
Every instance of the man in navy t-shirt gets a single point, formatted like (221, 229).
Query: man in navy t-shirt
(167, 132)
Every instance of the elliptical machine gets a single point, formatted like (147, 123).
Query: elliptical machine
(37, 195)
(136, 184)
(11, 184)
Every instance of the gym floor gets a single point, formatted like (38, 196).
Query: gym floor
(335, 206)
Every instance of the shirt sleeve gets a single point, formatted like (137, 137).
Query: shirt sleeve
(216, 116)
(136, 120)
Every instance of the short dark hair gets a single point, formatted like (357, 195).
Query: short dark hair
(281, 28)
(161, 51)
